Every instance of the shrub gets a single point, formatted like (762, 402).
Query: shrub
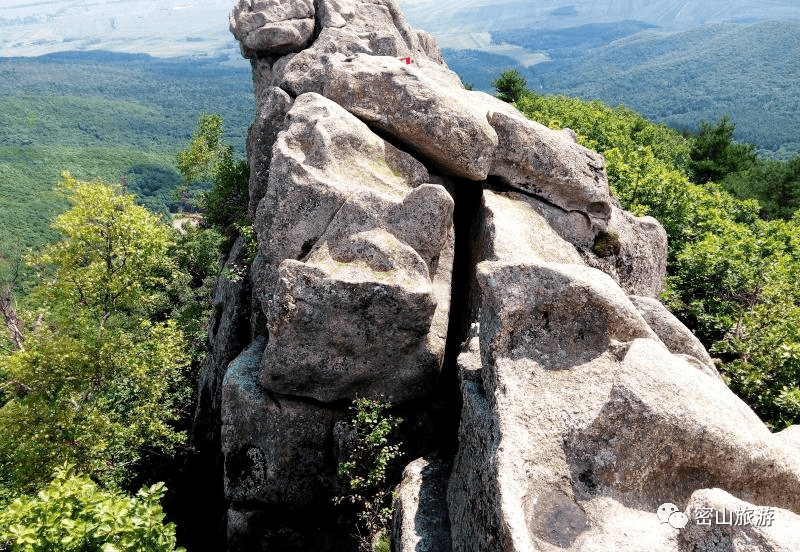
(72, 513)
(367, 453)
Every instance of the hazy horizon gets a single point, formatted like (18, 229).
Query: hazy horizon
(176, 28)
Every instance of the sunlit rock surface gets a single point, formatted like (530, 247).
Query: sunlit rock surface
(429, 246)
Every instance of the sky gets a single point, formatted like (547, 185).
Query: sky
(168, 28)
(163, 28)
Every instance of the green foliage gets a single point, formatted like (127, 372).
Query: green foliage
(731, 277)
(205, 151)
(71, 513)
(103, 116)
(90, 99)
(100, 374)
(368, 453)
(714, 154)
(763, 342)
(382, 542)
(510, 86)
(196, 252)
(206, 157)
(606, 244)
(775, 184)
(225, 205)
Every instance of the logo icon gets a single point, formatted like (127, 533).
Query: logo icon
(669, 513)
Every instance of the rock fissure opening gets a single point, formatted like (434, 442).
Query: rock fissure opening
(467, 197)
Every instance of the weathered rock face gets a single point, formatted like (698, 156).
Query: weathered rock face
(272, 25)
(357, 318)
(227, 333)
(358, 254)
(275, 447)
(270, 114)
(394, 208)
(578, 422)
(421, 522)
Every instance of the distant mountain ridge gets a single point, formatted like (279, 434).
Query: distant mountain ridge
(750, 71)
(170, 28)
(163, 28)
(471, 16)
(675, 61)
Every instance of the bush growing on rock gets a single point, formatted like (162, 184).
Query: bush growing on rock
(367, 452)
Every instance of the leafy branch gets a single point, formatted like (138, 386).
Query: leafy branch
(367, 450)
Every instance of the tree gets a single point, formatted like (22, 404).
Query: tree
(776, 185)
(98, 379)
(510, 86)
(715, 155)
(199, 161)
(7, 285)
(208, 158)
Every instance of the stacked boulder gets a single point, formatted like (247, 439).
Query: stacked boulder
(584, 404)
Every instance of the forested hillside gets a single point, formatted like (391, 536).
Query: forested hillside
(100, 115)
(749, 71)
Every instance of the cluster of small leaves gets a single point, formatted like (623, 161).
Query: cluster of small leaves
(363, 466)
(72, 513)
(731, 275)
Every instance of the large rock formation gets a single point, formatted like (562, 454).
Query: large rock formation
(399, 216)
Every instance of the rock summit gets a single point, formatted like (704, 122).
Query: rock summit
(429, 246)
